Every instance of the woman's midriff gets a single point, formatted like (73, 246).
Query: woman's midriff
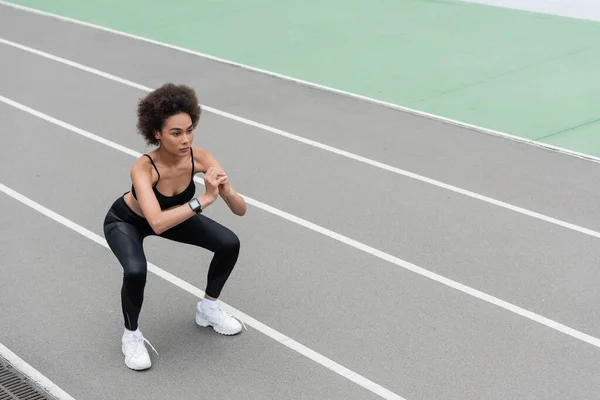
(133, 204)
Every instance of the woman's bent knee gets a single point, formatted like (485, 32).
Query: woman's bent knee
(135, 272)
(230, 244)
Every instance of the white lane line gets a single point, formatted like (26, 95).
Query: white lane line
(33, 374)
(259, 326)
(325, 147)
(309, 84)
(346, 240)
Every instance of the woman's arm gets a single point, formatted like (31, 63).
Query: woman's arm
(159, 220)
(234, 201)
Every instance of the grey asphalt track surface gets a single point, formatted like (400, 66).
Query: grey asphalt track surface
(420, 339)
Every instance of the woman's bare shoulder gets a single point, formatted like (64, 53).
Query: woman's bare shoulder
(204, 159)
(142, 167)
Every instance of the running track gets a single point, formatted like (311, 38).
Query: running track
(384, 254)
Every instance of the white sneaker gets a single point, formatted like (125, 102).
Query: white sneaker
(136, 355)
(221, 321)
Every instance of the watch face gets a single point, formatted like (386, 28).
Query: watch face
(195, 204)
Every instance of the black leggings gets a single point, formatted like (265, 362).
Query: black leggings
(125, 232)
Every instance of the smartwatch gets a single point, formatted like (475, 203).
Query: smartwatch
(195, 205)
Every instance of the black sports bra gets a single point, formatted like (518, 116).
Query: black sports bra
(172, 201)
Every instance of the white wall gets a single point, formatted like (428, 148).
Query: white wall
(585, 9)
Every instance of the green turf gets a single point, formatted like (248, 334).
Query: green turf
(526, 74)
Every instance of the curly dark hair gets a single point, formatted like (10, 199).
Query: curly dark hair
(162, 103)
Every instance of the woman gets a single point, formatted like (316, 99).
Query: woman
(161, 202)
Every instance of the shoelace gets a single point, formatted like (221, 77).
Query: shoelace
(142, 339)
(231, 314)
(146, 340)
(238, 318)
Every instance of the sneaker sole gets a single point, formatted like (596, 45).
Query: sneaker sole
(204, 323)
(130, 366)
(137, 368)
